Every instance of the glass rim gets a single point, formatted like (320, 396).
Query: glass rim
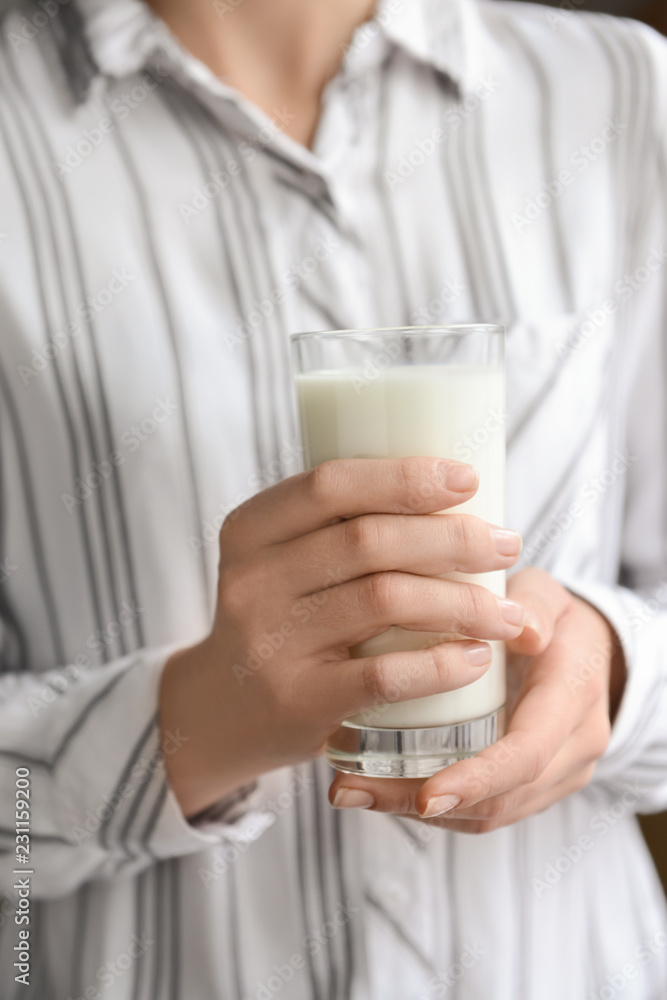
(460, 329)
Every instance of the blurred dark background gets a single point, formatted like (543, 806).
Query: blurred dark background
(654, 12)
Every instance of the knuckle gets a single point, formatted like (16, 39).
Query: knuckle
(376, 681)
(383, 591)
(412, 483)
(320, 482)
(236, 590)
(536, 760)
(438, 663)
(362, 536)
(463, 532)
(474, 603)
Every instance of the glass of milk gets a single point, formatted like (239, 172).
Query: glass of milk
(393, 393)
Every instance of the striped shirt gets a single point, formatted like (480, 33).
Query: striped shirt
(160, 239)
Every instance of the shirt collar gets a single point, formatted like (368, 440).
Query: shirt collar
(121, 37)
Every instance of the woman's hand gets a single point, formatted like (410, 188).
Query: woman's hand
(316, 564)
(566, 676)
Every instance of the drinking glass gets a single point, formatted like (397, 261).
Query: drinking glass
(392, 393)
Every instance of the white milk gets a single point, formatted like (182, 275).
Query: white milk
(447, 411)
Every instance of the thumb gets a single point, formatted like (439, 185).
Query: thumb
(545, 602)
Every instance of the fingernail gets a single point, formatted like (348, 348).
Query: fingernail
(458, 478)
(440, 804)
(478, 655)
(512, 613)
(352, 798)
(508, 543)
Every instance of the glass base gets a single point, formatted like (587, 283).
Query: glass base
(411, 753)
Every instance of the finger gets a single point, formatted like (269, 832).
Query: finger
(371, 543)
(544, 719)
(366, 685)
(396, 796)
(571, 771)
(353, 612)
(574, 761)
(346, 488)
(545, 602)
(527, 808)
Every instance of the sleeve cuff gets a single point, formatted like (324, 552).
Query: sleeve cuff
(638, 626)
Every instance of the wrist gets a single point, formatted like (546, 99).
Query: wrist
(214, 760)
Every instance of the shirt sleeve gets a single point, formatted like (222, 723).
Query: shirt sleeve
(100, 805)
(637, 753)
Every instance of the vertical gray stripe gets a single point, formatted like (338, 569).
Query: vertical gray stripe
(72, 438)
(479, 237)
(533, 60)
(141, 198)
(96, 455)
(234, 934)
(384, 194)
(172, 100)
(306, 918)
(263, 381)
(161, 916)
(492, 229)
(81, 926)
(176, 917)
(36, 536)
(455, 198)
(140, 928)
(451, 878)
(343, 895)
(110, 439)
(323, 864)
